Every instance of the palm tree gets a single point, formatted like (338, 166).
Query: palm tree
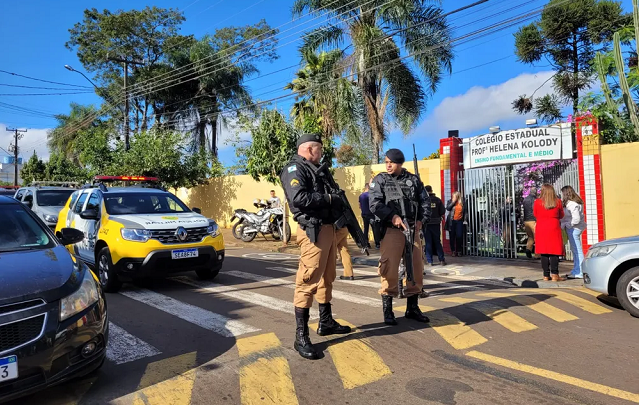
(378, 31)
(62, 139)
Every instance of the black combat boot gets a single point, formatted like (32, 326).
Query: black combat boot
(328, 325)
(387, 305)
(413, 311)
(303, 343)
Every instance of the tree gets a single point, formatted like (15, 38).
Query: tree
(377, 31)
(62, 139)
(272, 146)
(33, 170)
(567, 36)
(60, 168)
(434, 155)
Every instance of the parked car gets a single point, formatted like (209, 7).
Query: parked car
(46, 199)
(611, 267)
(140, 232)
(53, 314)
(8, 191)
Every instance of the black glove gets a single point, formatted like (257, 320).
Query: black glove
(334, 200)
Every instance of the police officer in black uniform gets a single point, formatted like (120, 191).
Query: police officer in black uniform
(387, 192)
(315, 210)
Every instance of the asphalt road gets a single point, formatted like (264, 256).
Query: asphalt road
(230, 341)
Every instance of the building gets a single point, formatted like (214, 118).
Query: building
(7, 169)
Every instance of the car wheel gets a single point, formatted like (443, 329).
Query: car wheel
(208, 274)
(628, 291)
(237, 230)
(106, 272)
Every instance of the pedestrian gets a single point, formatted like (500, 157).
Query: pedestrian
(390, 192)
(367, 216)
(548, 212)
(342, 246)
(432, 231)
(574, 224)
(274, 200)
(530, 222)
(314, 209)
(455, 223)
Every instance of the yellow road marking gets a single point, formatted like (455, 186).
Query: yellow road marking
(587, 291)
(259, 343)
(455, 332)
(162, 370)
(577, 382)
(554, 313)
(571, 299)
(502, 316)
(356, 362)
(268, 379)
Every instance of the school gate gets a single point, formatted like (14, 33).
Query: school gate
(495, 171)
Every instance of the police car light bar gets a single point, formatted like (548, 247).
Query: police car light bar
(125, 178)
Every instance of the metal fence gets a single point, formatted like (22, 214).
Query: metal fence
(494, 196)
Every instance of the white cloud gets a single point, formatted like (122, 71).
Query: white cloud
(482, 107)
(34, 139)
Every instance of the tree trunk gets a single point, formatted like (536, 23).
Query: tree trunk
(575, 75)
(214, 135)
(370, 92)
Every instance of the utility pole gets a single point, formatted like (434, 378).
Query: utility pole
(14, 148)
(125, 63)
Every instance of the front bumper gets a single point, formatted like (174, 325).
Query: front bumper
(160, 264)
(597, 271)
(56, 356)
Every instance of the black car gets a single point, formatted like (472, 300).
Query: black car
(53, 313)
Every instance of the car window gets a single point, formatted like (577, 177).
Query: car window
(19, 195)
(80, 203)
(143, 203)
(94, 201)
(52, 198)
(20, 231)
(74, 198)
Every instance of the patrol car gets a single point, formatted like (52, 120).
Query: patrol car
(140, 232)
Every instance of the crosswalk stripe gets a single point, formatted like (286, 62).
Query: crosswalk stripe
(571, 299)
(587, 291)
(123, 347)
(190, 313)
(502, 316)
(357, 299)
(355, 361)
(425, 282)
(246, 296)
(267, 379)
(552, 312)
(455, 332)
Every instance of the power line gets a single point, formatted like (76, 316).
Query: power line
(42, 80)
(43, 94)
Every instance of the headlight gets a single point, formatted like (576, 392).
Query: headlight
(136, 235)
(51, 218)
(80, 300)
(213, 229)
(599, 251)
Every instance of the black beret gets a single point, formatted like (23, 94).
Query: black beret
(395, 156)
(308, 138)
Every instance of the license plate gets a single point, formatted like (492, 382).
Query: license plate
(184, 253)
(8, 368)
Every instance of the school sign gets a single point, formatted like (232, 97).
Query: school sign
(518, 146)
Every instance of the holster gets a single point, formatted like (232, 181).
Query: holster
(312, 232)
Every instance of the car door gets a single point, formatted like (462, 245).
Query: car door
(79, 223)
(90, 227)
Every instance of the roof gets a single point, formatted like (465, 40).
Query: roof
(47, 188)
(134, 190)
(7, 200)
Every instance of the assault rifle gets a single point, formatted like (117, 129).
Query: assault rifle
(348, 218)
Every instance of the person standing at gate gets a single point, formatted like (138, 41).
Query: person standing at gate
(455, 223)
(432, 231)
(530, 221)
(548, 212)
(574, 224)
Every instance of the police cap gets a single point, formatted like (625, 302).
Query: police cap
(395, 156)
(308, 138)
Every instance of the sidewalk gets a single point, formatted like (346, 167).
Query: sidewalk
(520, 272)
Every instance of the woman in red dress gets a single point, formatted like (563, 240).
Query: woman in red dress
(548, 211)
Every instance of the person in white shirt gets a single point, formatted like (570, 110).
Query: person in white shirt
(574, 224)
(274, 200)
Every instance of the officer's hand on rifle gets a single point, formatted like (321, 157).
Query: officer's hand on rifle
(335, 200)
(397, 221)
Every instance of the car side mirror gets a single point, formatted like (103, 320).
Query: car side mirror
(196, 210)
(29, 204)
(89, 214)
(70, 236)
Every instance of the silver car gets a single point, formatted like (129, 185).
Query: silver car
(46, 201)
(611, 267)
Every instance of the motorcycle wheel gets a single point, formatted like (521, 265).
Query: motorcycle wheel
(277, 234)
(247, 237)
(237, 230)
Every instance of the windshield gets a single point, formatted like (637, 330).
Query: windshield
(20, 231)
(53, 198)
(143, 203)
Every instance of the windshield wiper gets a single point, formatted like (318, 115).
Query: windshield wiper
(16, 249)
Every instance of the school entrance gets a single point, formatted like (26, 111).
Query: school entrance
(496, 171)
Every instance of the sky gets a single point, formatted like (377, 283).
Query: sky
(486, 76)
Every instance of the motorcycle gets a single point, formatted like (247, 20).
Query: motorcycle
(267, 220)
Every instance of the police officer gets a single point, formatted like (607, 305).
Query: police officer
(315, 211)
(385, 193)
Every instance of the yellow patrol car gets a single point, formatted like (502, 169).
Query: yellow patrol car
(140, 232)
